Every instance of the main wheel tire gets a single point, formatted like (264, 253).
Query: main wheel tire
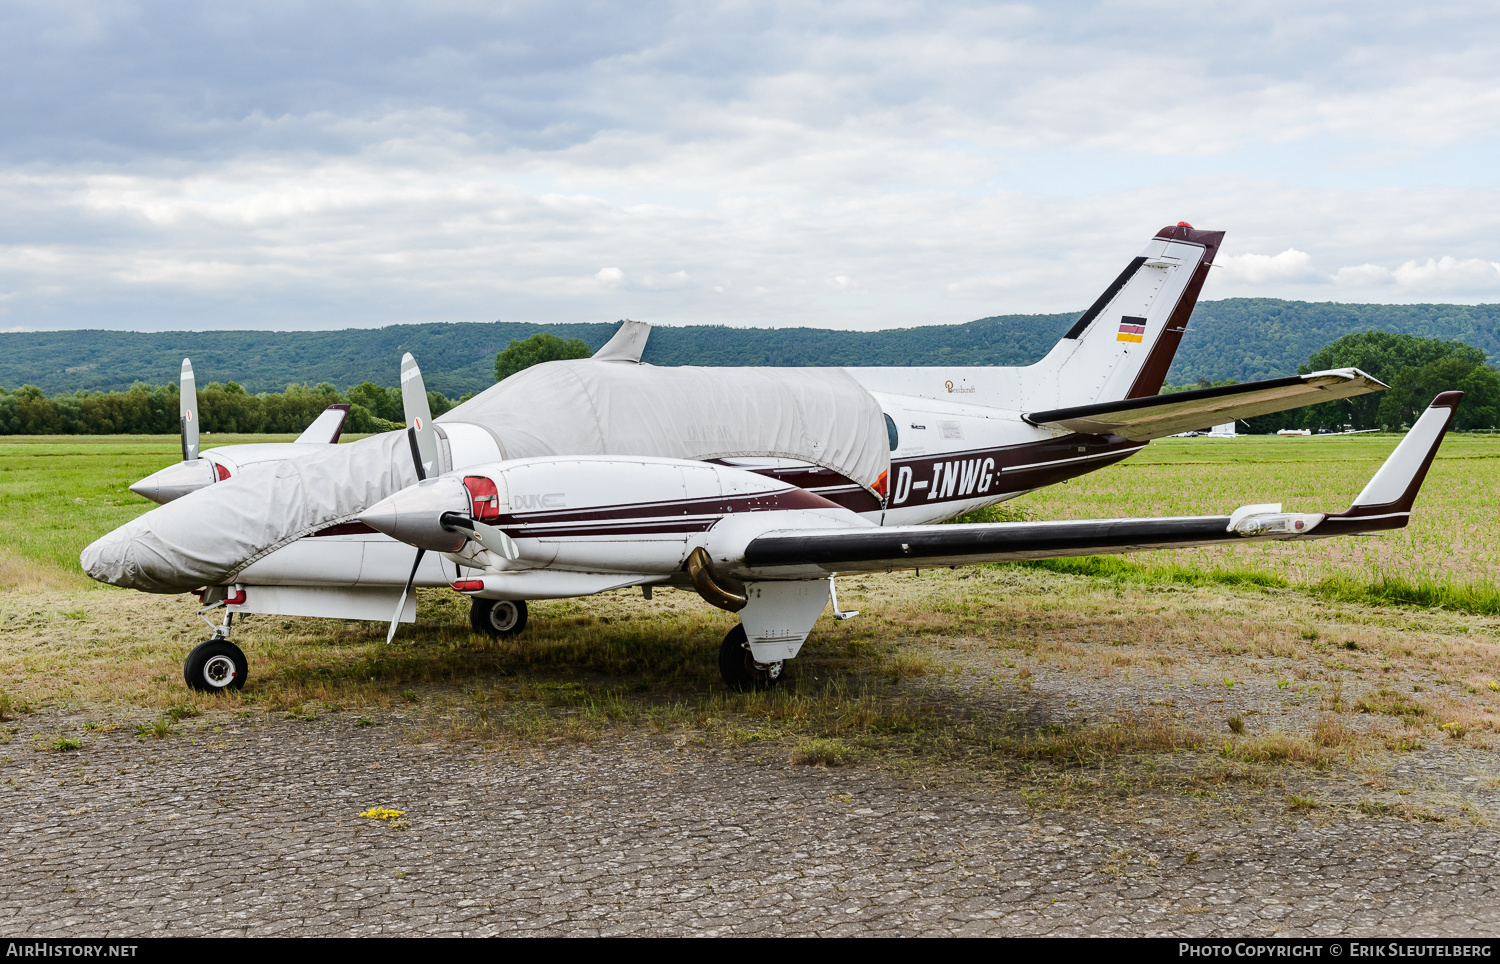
(216, 666)
(738, 666)
(498, 617)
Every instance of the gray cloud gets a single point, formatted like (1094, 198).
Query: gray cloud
(845, 164)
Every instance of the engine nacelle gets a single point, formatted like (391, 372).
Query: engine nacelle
(596, 513)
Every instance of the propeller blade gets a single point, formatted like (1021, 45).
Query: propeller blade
(418, 417)
(496, 541)
(401, 603)
(493, 539)
(187, 402)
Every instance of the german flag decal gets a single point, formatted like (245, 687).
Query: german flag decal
(1131, 329)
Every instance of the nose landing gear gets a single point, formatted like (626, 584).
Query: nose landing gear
(216, 664)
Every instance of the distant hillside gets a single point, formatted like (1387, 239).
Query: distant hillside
(1240, 338)
(1250, 338)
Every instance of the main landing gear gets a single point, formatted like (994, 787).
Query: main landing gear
(739, 668)
(216, 664)
(498, 618)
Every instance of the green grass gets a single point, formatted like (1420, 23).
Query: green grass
(1447, 557)
(58, 493)
(1482, 600)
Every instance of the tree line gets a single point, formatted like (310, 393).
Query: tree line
(153, 410)
(1416, 369)
(1241, 338)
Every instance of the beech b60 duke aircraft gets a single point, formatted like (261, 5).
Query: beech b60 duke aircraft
(753, 487)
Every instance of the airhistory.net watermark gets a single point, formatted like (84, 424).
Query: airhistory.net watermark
(67, 949)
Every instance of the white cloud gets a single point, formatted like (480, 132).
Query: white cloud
(1289, 265)
(675, 281)
(1449, 275)
(1362, 275)
(820, 163)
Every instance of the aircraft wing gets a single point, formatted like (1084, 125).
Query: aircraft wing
(1385, 503)
(1156, 416)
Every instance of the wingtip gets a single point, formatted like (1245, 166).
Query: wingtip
(1387, 499)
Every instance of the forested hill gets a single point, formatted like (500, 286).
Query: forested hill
(1240, 338)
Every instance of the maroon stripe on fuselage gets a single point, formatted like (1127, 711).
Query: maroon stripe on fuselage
(838, 489)
(855, 500)
(981, 473)
(668, 527)
(789, 498)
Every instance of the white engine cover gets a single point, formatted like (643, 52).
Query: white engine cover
(593, 514)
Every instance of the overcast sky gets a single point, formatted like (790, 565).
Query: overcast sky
(853, 165)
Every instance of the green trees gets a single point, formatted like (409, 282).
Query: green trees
(227, 407)
(1417, 369)
(540, 347)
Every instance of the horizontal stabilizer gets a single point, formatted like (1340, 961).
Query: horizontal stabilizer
(327, 427)
(1157, 416)
(1385, 503)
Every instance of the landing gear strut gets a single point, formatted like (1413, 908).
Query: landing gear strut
(498, 618)
(739, 668)
(216, 664)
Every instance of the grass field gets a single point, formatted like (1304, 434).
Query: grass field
(1174, 669)
(1452, 543)
(59, 493)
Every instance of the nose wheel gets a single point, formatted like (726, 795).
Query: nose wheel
(738, 666)
(215, 666)
(498, 618)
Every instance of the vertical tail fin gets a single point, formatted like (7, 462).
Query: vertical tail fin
(1123, 345)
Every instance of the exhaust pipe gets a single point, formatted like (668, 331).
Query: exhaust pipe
(706, 581)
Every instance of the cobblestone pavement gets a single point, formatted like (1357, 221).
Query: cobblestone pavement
(255, 829)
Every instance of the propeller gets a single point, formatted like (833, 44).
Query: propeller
(187, 402)
(424, 456)
(491, 538)
(401, 603)
(193, 472)
(424, 440)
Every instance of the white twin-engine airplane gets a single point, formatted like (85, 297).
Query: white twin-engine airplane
(753, 487)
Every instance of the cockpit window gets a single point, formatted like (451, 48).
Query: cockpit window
(890, 431)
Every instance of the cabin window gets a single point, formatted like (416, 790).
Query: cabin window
(891, 433)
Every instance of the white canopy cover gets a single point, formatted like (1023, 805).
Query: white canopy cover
(592, 407)
(207, 537)
(581, 407)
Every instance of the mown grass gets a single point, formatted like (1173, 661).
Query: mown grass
(1450, 553)
(58, 493)
(954, 670)
(1481, 600)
